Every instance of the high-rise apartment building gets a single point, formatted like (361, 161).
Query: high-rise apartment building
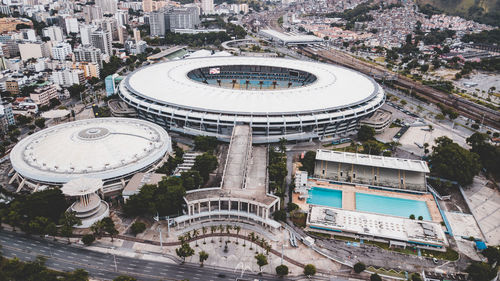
(55, 33)
(61, 51)
(169, 19)
(101, 39)
(107, 6)
(88, 54)
(207, 7)
(92, 12)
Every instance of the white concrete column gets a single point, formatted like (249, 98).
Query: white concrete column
(199, 207)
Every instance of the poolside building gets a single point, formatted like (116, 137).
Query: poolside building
(376, 171)
(396, 231)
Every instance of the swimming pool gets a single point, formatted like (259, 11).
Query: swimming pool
(391, 206)
(325, 197)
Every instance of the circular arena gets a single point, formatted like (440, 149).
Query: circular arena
(109, 149)
(278, 98)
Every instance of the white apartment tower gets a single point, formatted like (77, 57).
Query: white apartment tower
(207, 7)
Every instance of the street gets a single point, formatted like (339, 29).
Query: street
(64, 257)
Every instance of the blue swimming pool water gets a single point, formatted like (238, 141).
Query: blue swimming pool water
(391, 206)
(325, 197)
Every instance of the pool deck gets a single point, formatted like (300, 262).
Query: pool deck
(349, 197)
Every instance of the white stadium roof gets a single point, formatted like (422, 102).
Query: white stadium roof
(103, 148)
(168, 83)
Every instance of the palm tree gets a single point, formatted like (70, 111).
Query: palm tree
(238, 229)
(204, 230)
(182, 238)
(213, 229)
(203, 257)
(196, 232)
(262, 243)
(228, 230)
(221, 229)
(255, 241)
(251, 236)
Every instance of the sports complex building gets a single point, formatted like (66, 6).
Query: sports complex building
(278, 98)
(108, 149)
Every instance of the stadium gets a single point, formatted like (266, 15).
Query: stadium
(278, 98)
(108, 149)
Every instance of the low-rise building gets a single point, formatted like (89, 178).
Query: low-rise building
(90, 69)
(371, 170)
(43, 95)
(379, 121)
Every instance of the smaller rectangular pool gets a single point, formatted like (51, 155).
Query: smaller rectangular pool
(325, 197)
(391, 206)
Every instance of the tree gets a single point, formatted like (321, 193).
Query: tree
(68, 220)
(40, 123)
(137, 227)
(203, 257)
(261, 261)
(309, 270)
(205, 143)
(451, 161)
(124, 278)
(280, 215)
(365, 133)
(308, 162)
(492, 254)
(191, 180)
(488, 154)
(184, 251)
(109, 227)
(481, 271)
(205, 164)
(359, 267)
(88, 239)
(412, 216)
(375, 277)
(282, 270)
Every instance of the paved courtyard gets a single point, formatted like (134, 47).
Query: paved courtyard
(485, 206)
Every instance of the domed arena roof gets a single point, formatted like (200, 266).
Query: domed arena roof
(103, 148)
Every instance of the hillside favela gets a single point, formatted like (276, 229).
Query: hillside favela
(249, 140)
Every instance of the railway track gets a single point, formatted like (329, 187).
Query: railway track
(465, 107)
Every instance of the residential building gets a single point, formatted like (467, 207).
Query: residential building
(55, 33)
(34, 50)
(68, 77)
(28, 34)
(43, 95)
(108, 6)
(61, 51)
(91, 13)
(102, 39)
(137, 35)
(182, 18)
(85, 32)
(90, 69)
(6, 117)
(12, 86)
(147, 6)
(71, 25)
(207, 7)
(157, 23)
(88, 54)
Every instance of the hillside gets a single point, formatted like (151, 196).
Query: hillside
(484, 11)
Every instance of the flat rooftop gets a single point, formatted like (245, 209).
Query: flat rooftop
(372, 160)
(388, 227)
(166, 52)
(139, 180)
(287, 38)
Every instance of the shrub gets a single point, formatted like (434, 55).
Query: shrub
(359, 267)
(375, 277)
(137, 227)
(88, 239)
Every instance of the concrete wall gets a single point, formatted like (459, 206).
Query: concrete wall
(385, 177)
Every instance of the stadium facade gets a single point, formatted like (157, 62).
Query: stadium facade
(278, 98)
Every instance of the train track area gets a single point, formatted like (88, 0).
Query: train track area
(463, 106)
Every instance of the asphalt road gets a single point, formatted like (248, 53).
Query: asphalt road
(65, 257)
